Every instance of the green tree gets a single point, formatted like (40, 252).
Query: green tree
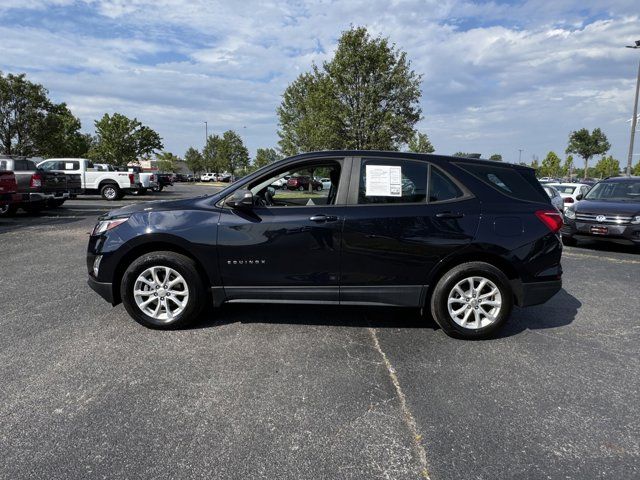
(167, 162)
(551, 166)
(567, 169)
(210, 155)
(587, 145)
(232, 153)
(607, 167)
(496, 157)
(420, 143)
(59, 134)
(194, 160)
(461, 154)
(121, 140)
(31, 124)
(365, 97)
(636, 169)
(265, 156)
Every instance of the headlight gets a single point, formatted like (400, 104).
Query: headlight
(636, 219)
(106, 225)
(570, 213)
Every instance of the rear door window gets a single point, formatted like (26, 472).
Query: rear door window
(517, 183)
(392, 180)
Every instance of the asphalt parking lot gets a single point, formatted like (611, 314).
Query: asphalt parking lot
(308, 392)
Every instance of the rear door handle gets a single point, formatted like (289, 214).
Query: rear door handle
(323, 218)
(449, 215)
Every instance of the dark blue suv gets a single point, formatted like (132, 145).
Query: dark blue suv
(464, 239)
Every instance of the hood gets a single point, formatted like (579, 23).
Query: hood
(611, 207)
(163, 205)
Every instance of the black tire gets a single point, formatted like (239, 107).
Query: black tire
(301, 188)
(569, 241)
(159, 188)
(8, 210)
(58, 203)
(186, 267)
(110, 192)
(440, 296)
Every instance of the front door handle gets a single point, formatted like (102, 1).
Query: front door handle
(449, 215)
(323, 218)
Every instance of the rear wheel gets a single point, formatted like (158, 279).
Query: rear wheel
(58, 203)
(472, 301)
(8, 210)
(569, 241)
(163, 290)
(34, 208)
(110, 192)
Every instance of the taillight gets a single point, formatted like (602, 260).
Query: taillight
(551, 219)
(569, 200)
(36, 180)
(132, 179)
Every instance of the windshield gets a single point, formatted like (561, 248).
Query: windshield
(566, 189)
(628, 191)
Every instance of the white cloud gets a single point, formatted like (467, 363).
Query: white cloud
(497, 77)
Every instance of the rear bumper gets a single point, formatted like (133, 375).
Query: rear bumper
(535, 293)
(104, 289)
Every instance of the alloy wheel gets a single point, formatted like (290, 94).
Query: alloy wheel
(474, 302)
(161, 293)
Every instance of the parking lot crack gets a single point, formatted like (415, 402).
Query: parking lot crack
(408, 417)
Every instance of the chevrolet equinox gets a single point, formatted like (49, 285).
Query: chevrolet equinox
(464, 239)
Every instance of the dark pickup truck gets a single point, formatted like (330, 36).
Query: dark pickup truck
(36, 188)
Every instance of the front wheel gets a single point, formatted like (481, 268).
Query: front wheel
(472, 301)
(163, 290)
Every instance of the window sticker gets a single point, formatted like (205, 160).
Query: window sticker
(383, 181)
(68, 166)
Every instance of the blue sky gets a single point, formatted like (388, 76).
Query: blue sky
(497, 76)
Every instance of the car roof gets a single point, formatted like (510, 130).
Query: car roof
(395, 154)
(566, 184)
(621, 179)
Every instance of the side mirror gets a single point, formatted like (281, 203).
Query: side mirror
(240, 199)
(579, 197)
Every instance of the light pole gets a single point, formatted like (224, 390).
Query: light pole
(519, 155)
(634, 119)
(206, 133)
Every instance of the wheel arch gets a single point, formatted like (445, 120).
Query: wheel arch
(159, 245)
(493, 259)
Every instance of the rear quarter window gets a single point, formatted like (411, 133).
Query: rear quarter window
(516, 183)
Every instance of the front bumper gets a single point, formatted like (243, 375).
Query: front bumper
(104, 289)
(628, 234)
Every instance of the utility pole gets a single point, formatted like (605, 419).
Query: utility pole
(634, 119)
(520, 155)
(206, 133)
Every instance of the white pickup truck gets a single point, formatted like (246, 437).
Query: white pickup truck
(110, 184)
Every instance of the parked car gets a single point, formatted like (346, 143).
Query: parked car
(302, 183)
(570, 191)
(555, 197)
(326, 183)
(164, 180)
(471, 239)
(112, 185)
(8, 191)
(281, 183)
(37, 188)
(208, 177)
(610, 211)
